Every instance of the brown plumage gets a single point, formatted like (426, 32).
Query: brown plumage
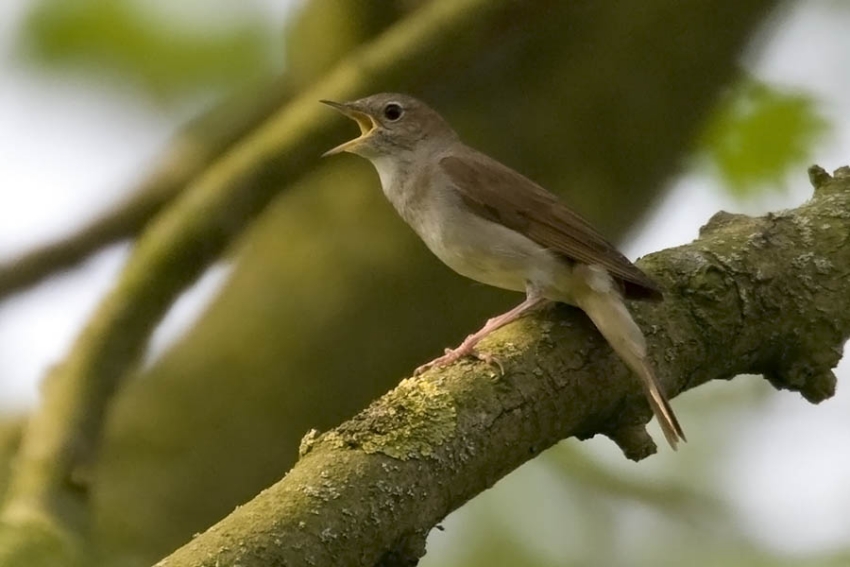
(502, 195)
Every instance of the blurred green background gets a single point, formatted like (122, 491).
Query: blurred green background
(647, 117)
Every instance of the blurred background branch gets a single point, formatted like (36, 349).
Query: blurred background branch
(82, 33)
(193, 150)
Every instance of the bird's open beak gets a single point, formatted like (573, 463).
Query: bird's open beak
(366, 123)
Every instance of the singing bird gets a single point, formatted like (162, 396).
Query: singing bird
(491, 224)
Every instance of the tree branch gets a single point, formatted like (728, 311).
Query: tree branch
(765, 295)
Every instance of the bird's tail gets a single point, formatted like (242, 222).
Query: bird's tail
(609, 313)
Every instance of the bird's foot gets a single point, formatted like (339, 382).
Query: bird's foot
(491, 360)
(448, 358)
(454, 354)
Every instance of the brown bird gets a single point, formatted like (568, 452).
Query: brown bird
(491, 224)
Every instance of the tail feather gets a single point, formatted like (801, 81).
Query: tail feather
(661, 408)
(608, 312)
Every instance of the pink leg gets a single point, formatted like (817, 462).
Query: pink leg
(467, 347)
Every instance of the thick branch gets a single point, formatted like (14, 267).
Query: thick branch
(752, 295)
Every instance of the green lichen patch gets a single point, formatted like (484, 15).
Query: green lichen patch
(410, 422)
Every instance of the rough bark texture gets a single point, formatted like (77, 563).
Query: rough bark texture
(752, 295)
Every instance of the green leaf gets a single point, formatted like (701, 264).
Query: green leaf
(167, 56)
(758, 134)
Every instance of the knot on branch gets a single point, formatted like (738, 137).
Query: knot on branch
(842, 172)
(821, 180)
(719, 220)
(634, 441)
(814, 382)
(406, 552)
(818, 177)
(308, 442)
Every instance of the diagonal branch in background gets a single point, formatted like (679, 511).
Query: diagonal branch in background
(202, 141)
(192, 150)
(766, 295)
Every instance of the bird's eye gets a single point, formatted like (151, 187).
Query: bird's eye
(393, 112)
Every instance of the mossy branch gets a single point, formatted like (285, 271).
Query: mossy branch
(767, 295)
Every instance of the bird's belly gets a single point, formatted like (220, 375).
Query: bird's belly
(495, 255)
(498, 270)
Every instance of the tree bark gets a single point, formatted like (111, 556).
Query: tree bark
(767, 295)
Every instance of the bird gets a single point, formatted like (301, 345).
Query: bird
(493, 225)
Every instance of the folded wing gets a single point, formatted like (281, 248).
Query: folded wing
(502, 195)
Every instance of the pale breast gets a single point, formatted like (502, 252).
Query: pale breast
(471, 245)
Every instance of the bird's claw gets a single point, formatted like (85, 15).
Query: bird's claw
(491, 360)
(449, 357)
(453, 355)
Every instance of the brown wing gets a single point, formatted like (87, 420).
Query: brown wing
(502, 195)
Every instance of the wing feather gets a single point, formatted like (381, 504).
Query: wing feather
(502, 195)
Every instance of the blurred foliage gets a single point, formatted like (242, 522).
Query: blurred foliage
(309, 52)
(758, 133)
(11, 427)
(165, 54)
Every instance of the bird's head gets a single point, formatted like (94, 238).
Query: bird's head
(391, 124)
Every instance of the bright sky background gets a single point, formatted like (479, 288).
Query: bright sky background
(69, 149)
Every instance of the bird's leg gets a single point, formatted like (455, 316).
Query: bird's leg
(467, 347)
